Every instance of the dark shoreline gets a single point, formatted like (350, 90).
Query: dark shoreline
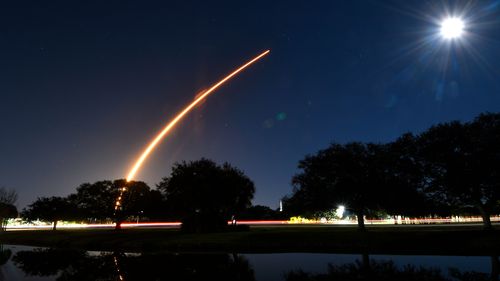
(404, 240)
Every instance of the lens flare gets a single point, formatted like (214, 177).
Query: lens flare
(200, 97)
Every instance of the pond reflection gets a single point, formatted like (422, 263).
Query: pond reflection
(79, 265)
(65, 265)
(387, 270)
(5, 255)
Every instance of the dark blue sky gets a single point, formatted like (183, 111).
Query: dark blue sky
(85, 85)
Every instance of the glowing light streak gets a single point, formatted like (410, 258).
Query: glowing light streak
(199, 97)
(424, 222)
(179, 116)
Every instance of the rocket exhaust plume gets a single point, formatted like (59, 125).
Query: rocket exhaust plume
(200, 97)
(179, 116)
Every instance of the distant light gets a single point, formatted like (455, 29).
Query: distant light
(340, 211)
(452, 28)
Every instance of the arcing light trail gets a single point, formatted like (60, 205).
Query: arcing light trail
(177, 118)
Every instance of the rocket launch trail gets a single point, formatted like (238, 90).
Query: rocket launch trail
(152, 145)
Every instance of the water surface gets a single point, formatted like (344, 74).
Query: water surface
(31, 263)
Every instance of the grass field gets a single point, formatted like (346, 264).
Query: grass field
(435, 240)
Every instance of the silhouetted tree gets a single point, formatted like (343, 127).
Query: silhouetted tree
(52, 209)
(404, 178)
(450, 168)
(205, 195)
(485, 133)
(8, 198)
(138, 200)
(7, 211)
(96, 202)
(348, 174)
(462, 163)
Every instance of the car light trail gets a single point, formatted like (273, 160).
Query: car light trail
(177, 118)
(447, 221)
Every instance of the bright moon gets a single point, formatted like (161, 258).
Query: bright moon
(452, 28)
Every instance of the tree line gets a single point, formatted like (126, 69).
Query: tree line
(451, 168)
(201, 194)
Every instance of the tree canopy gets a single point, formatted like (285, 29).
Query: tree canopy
(51, 209)
(447, 169)
(95, 201)
(206, 195)
(462, 164)
(347, 174)
(8, 209)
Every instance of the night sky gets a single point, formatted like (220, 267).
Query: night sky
(85, 85)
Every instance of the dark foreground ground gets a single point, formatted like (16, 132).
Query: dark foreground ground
(435, 240)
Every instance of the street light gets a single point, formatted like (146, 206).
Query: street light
(340, 211)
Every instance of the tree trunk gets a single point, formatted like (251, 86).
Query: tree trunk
(361, 220)
(486, 217)
(55, 225)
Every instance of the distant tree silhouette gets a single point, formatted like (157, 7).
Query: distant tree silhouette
(462, 164)
(451, 168)
(205, 195)
(96, 201)
(404, 177)
(349, 174)
(7, 211)
(138, 201)
(8, 198)
(485, 131)
(52, 209)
